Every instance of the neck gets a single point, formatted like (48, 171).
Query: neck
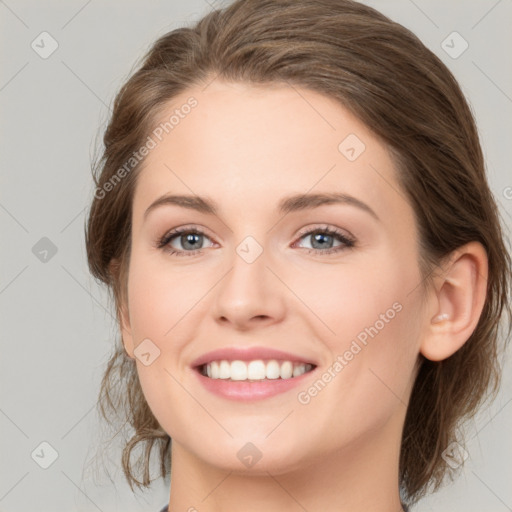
(356, 479)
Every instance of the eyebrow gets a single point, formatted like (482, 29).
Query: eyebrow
(287, 205)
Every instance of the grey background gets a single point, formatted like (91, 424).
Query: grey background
(57, 323)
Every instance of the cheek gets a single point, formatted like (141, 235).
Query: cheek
(348, 300)
(365, 385)
(158, 299)
(373, 324)
(161, 306)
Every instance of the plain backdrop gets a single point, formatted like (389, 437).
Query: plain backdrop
(56, 323)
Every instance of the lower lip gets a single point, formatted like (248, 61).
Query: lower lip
(247, 391)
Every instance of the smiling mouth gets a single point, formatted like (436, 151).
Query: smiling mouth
(254, 371)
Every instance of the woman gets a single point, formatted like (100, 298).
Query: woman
(307, 261)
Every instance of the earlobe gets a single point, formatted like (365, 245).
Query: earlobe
(458, 300)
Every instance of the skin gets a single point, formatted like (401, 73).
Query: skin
(246, 147)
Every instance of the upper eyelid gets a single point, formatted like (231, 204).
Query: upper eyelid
(325, 227)
(302, 232)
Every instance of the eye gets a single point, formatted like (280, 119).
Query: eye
(190, 239)
(322, 239)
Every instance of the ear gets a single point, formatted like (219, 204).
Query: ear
(457, 301)
(123, 315)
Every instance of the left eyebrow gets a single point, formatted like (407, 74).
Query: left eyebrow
(297, 202)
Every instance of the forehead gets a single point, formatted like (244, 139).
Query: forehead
(250, 145)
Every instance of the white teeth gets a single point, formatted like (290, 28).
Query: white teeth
(298, 370)
(273, 370)
(286, 370)
(238, 370)
(224, 370)
(255, 370)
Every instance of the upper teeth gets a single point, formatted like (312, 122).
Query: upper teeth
(255, 370)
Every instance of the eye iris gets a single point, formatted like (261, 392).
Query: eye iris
(320, 237)
(190, 238)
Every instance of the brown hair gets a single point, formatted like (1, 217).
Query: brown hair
(387, 78)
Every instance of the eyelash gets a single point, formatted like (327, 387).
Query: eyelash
(168, 237)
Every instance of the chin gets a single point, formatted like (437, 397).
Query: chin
(249, 455)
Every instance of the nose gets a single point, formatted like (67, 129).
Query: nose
(250, 294)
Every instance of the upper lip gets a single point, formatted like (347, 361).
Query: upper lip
(248, 354)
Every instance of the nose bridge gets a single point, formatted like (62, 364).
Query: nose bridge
(246, 290)
(247, 277)
(250, 250)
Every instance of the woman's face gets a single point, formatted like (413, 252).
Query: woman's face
(266, 275)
